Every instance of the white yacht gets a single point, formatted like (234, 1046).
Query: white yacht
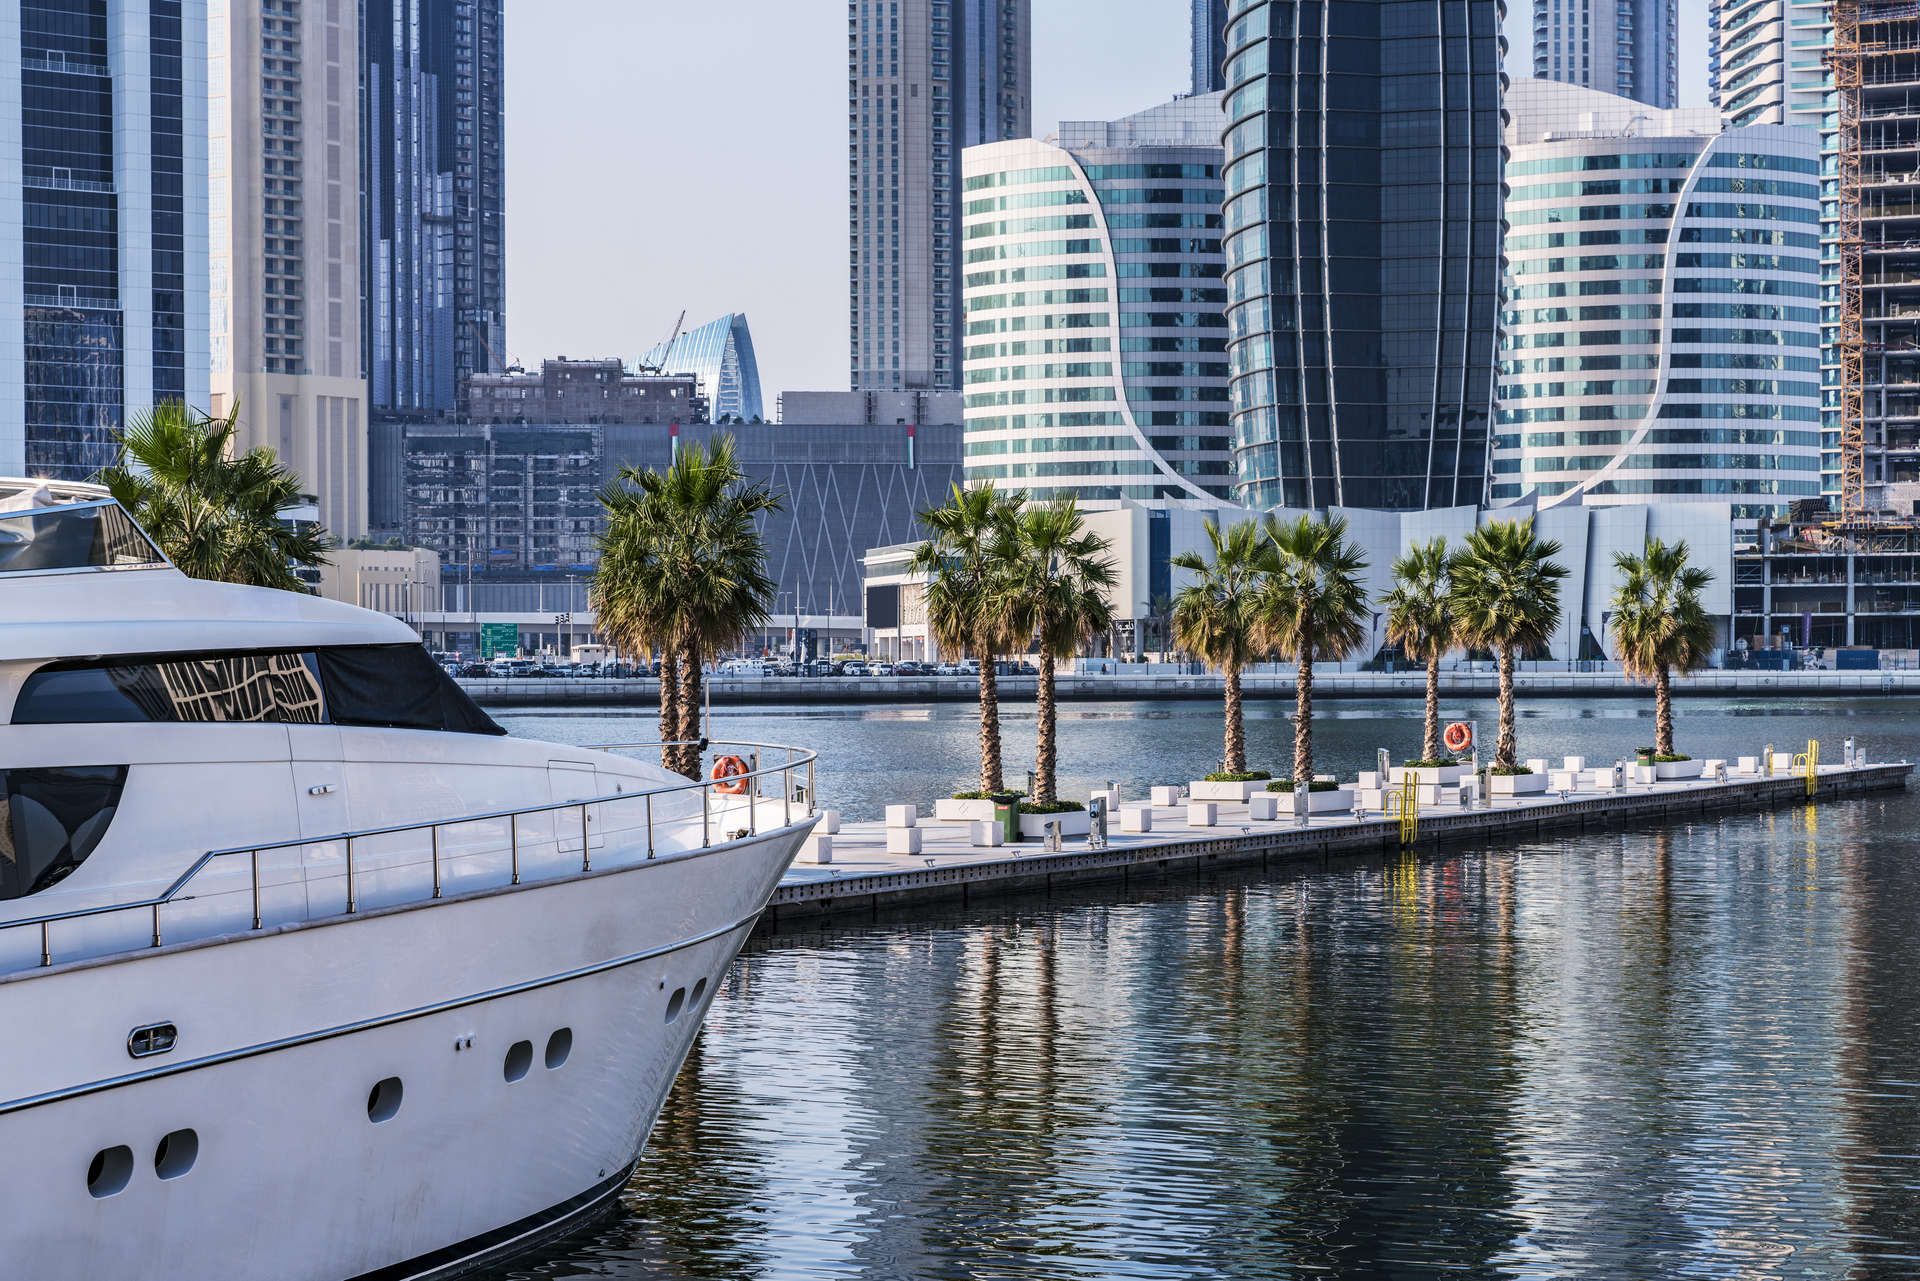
(306, 969)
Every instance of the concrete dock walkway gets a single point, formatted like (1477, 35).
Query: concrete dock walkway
(863, 879)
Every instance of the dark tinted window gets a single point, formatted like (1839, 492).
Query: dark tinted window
(95, 537)
(397, 686)
(50, 820)
(279, 687)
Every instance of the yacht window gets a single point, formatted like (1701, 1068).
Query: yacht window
(96, 536)
(281, 687)
(397, 687)
(50, 820)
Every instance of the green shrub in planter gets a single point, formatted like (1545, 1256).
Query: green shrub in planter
(988, 796)
(1250, 776)
(1439, 764)
(1668, 760)
(1318, 785)
(1058, 807)
(1502, 771)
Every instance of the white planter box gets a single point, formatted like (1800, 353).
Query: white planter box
(1205, 791)
(948, 810)
(1340, 798)
(1033, 827)
(1679, 769)
(1516, 784)
(1430, 775)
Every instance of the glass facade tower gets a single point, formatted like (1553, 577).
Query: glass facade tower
(720, 354)
(434, 202)
(103, 256)
(1362, 224)
(1209, 46)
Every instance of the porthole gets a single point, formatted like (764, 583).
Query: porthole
(675, 1003)
(519, 1059)
(111, 1170)
(559, 1045)
(176, 1154)
(383, 1101)
(699, 989)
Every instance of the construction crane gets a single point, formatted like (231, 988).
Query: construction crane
(666, 349)
(481, 334)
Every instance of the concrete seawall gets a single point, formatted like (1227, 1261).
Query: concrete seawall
(864, 881)
(788, 690)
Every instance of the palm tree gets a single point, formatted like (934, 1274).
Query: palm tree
(1506, 597)
(1312, 605)
(1660, 623)
(216, 514)
(1056, 593)
(1216, 617)
(631, 595)
(1420, 620)
(695, 575)
(972, 551)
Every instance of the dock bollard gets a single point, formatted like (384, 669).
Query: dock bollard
(1846, 754)
(1097, 822)
(1053, 834)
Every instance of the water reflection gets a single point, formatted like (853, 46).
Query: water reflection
(1692, 1051)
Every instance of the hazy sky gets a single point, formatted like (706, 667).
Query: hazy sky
(663, 155)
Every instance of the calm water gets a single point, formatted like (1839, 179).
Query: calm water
(1688, 1053)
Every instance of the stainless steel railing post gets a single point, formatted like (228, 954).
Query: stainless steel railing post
(586, 847)
(753, 798)
(433, 834)
(256, 888)
(513, 844)
(156, 922)
(649, 824)
(351, 900)
(706, 833)
(46, 948)
(813, 801)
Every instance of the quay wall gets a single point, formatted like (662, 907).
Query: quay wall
(788, 690)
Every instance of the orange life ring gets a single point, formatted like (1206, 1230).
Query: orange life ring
(1459, 736)
(730, 767)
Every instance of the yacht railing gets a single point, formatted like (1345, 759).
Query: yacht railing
(798, 762)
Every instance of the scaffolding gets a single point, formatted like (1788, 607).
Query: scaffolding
(1848, 60)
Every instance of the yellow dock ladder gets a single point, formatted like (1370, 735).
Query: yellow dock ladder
(1808, 763)
(1409, 808)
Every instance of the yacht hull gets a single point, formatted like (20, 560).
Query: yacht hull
(534, 1032)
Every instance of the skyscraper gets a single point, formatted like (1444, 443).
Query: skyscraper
(1630, 48)
(433, 186)
(1661, 339)
(1096, 357)
(1209, 45)
(720, 354)
(285, 160)
(1362, 190)
(103, 224)
(925, 79)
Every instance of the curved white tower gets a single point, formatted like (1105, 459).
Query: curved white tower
(1661, 338)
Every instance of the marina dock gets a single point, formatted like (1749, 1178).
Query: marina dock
(863, 880)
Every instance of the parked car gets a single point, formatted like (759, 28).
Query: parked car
(909, 668)
(883, 669)
(948, 669)
(475, 669)
(854, 669)
(970, 667)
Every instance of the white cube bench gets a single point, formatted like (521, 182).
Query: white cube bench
(1166, 795)
(829, 822)
(1748, 765)
(818, 849)
(1203, 813)
(903, 840)
(1136, 818)
(902, 815)
(1264, 807)
(1573, 764)
(1564, 780)
(986, 833)
(1602, 779)
(1538, 764)
(1783, 762)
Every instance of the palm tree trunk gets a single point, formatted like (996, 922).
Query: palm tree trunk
(990, 780)
(690, 681)
(1430, 749)
(1236, 753)
(1663, 712)
(1503, 755)
(669, 708)
(1303, 718)
(1045, 757)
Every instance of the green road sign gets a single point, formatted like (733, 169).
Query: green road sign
(499, 639)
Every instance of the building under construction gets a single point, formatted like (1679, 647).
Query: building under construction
(1876, 74)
